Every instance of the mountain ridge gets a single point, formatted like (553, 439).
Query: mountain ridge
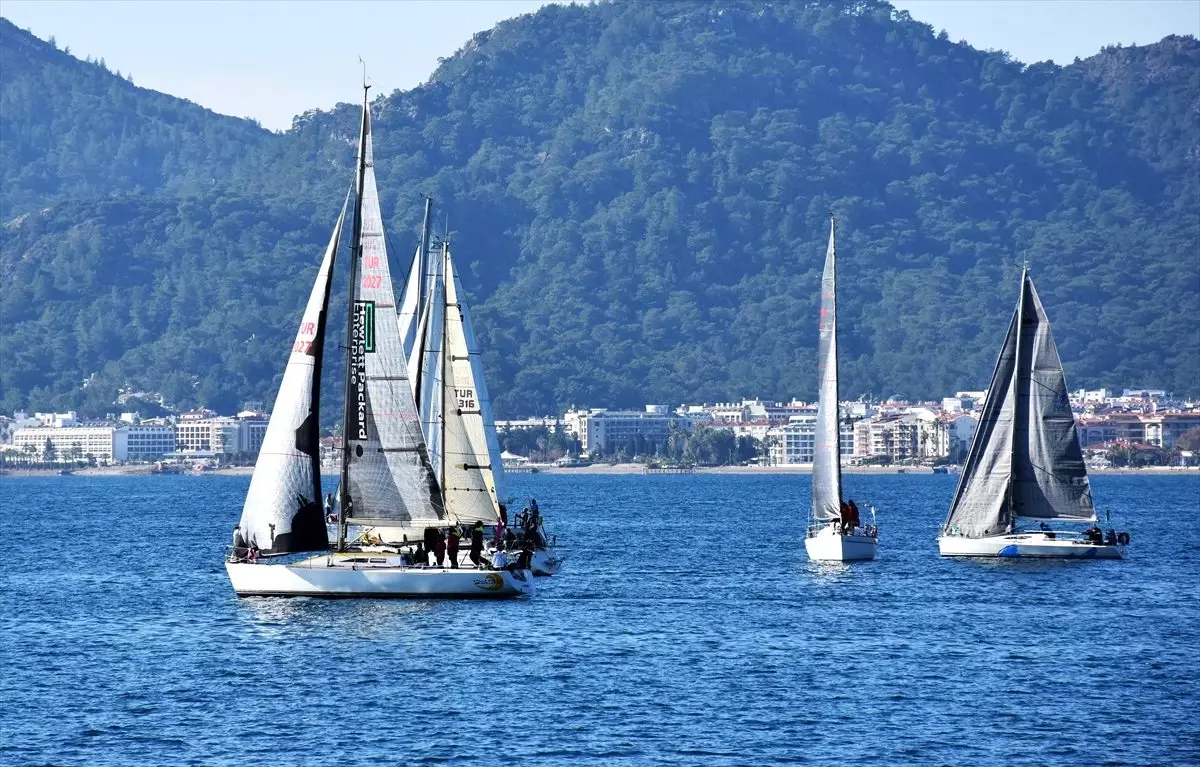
(642, 193)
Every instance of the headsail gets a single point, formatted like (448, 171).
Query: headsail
(470, 460)
(387, 474)
(1025, 459)
(827, 456)
(283, 512)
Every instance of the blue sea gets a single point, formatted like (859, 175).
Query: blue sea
(687, 628)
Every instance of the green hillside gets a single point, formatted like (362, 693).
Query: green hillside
(640, 193)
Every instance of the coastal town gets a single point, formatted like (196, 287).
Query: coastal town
(1130, 427)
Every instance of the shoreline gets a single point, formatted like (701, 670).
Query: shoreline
(595, 469)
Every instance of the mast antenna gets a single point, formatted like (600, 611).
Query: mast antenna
(366, 85)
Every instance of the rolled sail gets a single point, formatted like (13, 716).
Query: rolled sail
(283, 511)
(827, 454)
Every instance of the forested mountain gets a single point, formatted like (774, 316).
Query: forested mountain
(640, 192)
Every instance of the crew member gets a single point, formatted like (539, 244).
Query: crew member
(453, 536)
(477, 542)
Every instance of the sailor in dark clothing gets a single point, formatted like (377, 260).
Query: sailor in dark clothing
(477, 543)
(854, 521)
(420, 557)
(453, 536)
(439, 549)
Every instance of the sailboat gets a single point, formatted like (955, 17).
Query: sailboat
(834, 532)
(1025, 465)
(281, 545)
(446, 371)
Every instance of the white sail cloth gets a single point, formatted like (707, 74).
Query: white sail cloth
(282, 512)
(827, 455)
(388, 473)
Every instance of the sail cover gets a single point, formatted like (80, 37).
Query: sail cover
(827, 461)
(470, 461)
(388, 473)
(1049, 477)
(283, 512)
(1025, 459)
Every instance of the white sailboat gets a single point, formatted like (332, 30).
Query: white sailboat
(451, 394)
(387, 477)
(834, 532)
(1025, 465)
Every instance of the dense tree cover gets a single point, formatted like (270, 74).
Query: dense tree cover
(639, 193)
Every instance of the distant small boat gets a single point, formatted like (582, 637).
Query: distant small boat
(65, 472)
(940, 470)
(1025, 464)
(831, 535)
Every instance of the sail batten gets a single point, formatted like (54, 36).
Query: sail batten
(282, 512)
(827, 457)
(1025, 461)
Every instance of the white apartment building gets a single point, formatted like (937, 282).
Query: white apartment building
(914, 435)
(222, 435)
(150, 441)
(796, 442)
(608, 431)
(105, 442)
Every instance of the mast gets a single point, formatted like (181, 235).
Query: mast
(423, 274)
(352, 293)
(445, 368)
(1020, 415)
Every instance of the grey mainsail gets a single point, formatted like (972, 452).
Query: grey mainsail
(282, 512)
(1049, 477)
(827, 454)
(387, 476)
(1025, 459)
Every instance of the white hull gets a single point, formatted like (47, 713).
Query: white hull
(546, 562)
(1019, 545)
(317, 577)
(830, 546)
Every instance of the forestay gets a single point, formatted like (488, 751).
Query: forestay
(1025, 459)
(827, 462)
(471, 461)
(283, 512)
(389, 479)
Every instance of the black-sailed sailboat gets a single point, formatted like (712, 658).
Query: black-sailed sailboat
(1025, 468)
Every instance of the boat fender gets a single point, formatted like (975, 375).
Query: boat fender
(1123, 538)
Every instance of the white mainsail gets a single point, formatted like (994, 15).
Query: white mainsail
(388, 478)
(1025, 459)
(827, 453)
(282, 512)
(470, 461)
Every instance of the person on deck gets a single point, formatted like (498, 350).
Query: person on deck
(477, 542)
(855, 521)
(453, 536)
(499, 559)
(420, 557)
(439, 549)
(844, 517)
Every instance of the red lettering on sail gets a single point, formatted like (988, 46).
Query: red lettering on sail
(371, 262)
(370, 281)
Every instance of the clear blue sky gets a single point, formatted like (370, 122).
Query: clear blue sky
(271, 60)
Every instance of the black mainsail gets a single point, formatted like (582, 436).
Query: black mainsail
(1025, 460)
(282, 512)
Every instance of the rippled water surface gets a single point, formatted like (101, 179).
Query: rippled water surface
(687, 628)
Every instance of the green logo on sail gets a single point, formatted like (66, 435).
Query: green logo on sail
(367, 324)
